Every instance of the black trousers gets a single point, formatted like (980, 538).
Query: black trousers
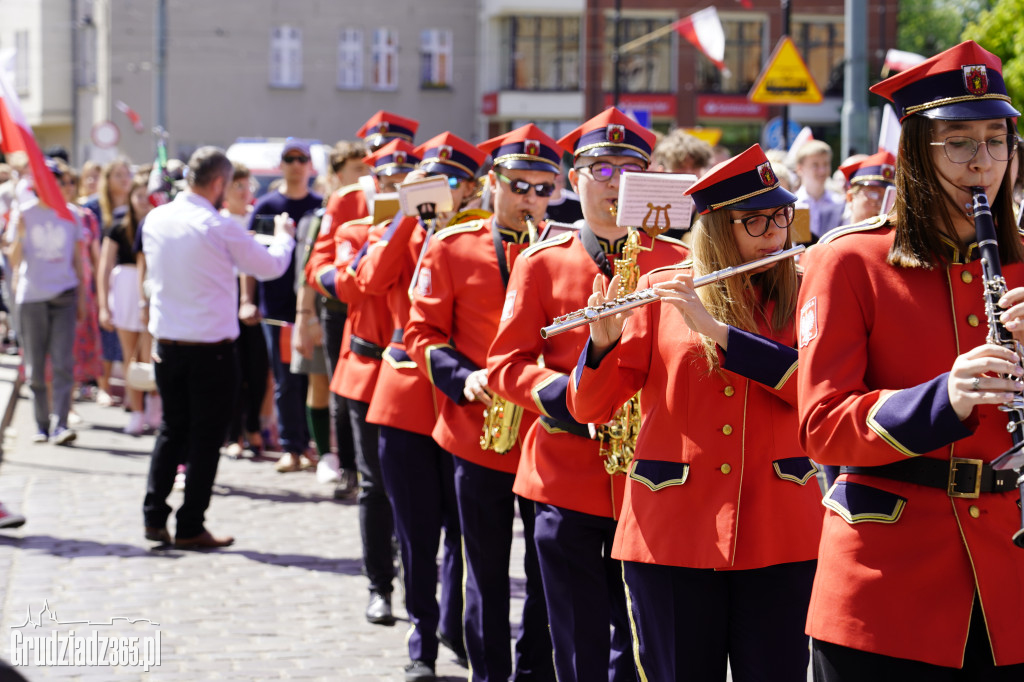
(195, 385)
(333, 324)
(376, 523)
(254, 362)
(834, 663)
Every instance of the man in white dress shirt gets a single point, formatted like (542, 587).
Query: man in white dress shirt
(192, 255)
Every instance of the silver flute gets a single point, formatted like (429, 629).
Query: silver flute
(593, 313)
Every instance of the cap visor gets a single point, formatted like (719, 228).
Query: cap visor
(771, 199)
(615, 151)
(976, 110)
(441, 168)
(524, 164)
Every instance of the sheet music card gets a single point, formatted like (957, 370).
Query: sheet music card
(655, 202)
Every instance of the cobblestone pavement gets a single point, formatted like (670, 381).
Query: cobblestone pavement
(286, 601)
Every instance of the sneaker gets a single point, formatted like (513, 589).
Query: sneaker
(348, 486)
(41, 437)
(154, 412)
(9, 519)
(232, 451)
(288, 462)
(74, 419)
(419, 671)
(136, 424)
(63, 436)
(308, 460)
(103, 398)
(328, 470)
(179, 478)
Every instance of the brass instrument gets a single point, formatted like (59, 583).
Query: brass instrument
(641, 298)
(502, 418)
(618, 437)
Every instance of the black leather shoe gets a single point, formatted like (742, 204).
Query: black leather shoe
(158, 535)
(419, 671)
(378, 611)
(456, 646)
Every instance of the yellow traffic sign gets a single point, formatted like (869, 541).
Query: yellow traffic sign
(785, 79)
(709, 135)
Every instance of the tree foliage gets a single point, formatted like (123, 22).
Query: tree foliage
(1000, 30)
(928, 27)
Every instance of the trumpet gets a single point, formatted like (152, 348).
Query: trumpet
(593, 313)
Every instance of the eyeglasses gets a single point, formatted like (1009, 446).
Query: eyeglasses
(295, 159)
(960, 149)
(757, 225)
(870, 194)
(602, 171)
(542, 189)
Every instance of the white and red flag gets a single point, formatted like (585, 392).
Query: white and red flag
(132, 115)
(16, 136)
(889, 132)
(804, 136)
(704, 30)
(898, 60)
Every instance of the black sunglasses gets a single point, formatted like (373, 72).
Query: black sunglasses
(295, 159)
(542, 189)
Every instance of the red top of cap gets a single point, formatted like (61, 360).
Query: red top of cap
(386, 124)
(450, 149)
(397, 152)
(527, 147)
(611, 130)
(880, 167)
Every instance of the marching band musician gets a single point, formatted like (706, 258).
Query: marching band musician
(866, 180)
(917, 576)
(454, 317)
(417, 472)
(367, 330)
(719, 527)
(576, 499)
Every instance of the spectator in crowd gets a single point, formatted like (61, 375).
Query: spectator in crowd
(89, 182)
(191, 255)
(814, 167)
(680, 152)
(46, 254)
(277, 306)
(117, 287)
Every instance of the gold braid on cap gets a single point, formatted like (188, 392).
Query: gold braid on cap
(861, 179)
(525, 157)
(606, 144)
(378, 169)
(447, 162)
(715, 207)
(952, 100)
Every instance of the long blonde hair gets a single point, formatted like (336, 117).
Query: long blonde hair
(103, 190)
(733, 300)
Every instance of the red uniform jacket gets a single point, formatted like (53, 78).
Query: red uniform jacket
(900, 563)
(718, 480)
(454, 318)
(403, 398)
(552, 279)
(368, 325)
(347, 203)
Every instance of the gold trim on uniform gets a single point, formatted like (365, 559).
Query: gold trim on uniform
(397, 364)
(881, 430)
(952, 100)
(787, 375)
(525, 157)
(608, 145)
(535, 392)
(560, 239)
(877, 517)
(430, 366)
(790, 477)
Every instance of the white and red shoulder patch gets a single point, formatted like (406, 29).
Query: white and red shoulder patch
(808, 321)
(510, 305)
(424, 285)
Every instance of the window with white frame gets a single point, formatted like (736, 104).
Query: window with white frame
(21, 62)
(286, 57)
(350, 59)
(385, 59)
(435, 58)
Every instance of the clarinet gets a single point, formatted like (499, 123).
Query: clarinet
(994, 286)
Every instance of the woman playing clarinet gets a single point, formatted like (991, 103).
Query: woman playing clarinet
(721, 518)
(918, 578)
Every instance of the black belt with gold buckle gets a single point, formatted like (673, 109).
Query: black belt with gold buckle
(959, 477)
(365, 348)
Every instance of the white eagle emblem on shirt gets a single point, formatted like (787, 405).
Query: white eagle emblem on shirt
(48, 240)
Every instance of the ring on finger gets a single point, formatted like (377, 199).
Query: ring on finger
(975, 385)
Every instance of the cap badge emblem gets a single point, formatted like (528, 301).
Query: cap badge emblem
(767, 174)
(976, 79)
(616, 133)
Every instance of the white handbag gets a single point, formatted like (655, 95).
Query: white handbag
(141, 376)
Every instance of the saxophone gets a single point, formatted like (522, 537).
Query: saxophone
(502, 418)
(618, 437)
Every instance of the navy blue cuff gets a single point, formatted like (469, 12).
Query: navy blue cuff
(762, 360)
(918, 419)
(326, 279)
(448, 369)
(551, 398)
(359, 256)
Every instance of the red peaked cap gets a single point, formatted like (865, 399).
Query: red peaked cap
(744, 182)
(964, 83)
(525, 148)
(877, 169)
(449, 154)
(610, 133)
(384, 126)
(397, 156)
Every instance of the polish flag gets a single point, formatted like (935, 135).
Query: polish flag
(704, 30)
(898, 60)
(132, 115)
(801, 138)
(16, 136)
(889, 133)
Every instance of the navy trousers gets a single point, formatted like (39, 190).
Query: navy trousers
(688, 621)
(486, 512)
(420, 482)
(376, 524)
(585, 596)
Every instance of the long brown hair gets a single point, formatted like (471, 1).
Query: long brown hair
(918, 242)
(106, 200)
(732, 300)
